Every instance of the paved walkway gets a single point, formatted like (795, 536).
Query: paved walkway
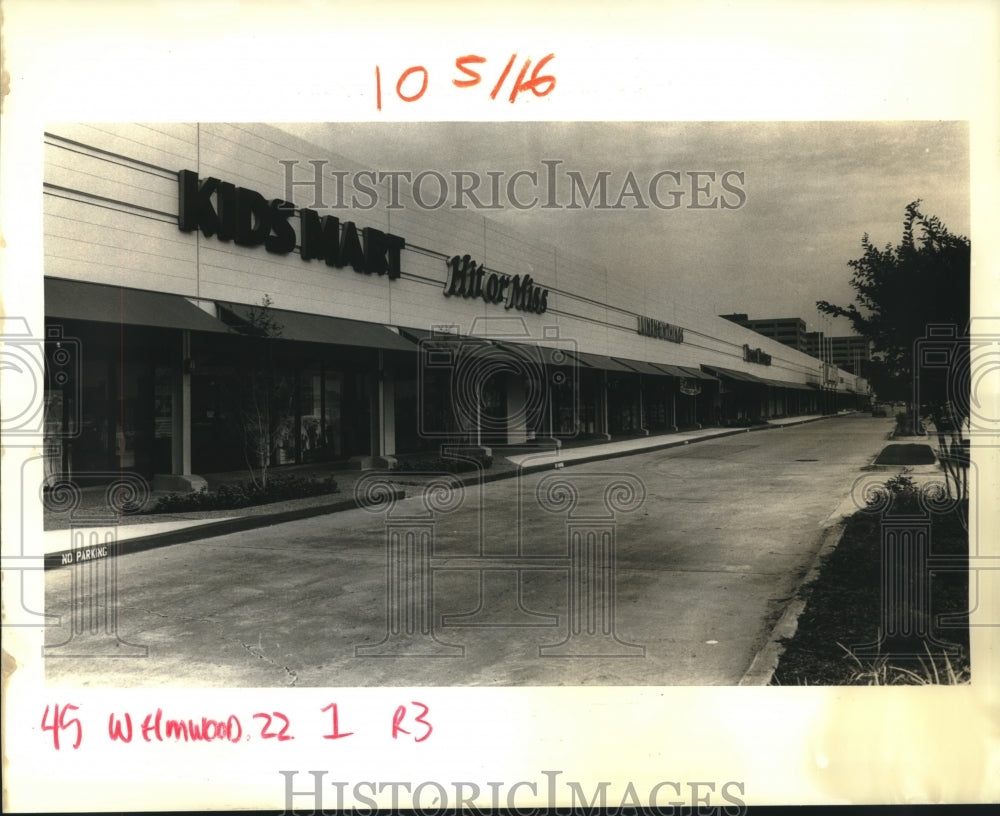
(623, 447)
(164, 528)
(734, 520)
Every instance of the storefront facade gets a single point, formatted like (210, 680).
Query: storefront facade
(203, 289)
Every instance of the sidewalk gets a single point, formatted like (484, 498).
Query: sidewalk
(643, 444)
(142, 532)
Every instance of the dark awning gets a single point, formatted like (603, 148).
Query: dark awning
(797, 386)
(444, 341)
(546, 355)
(739, 376)
(600, 361)
(742, 376)
(641, 366)
(672, 370)
(101, 303)
(698, 374)
(312, 328)
(416, 335)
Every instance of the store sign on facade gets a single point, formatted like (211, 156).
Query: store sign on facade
(690, 387)
(662, 331)
(246, 218)
(468, 279)
(756, 355)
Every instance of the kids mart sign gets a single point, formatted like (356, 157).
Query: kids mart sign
(246, 218)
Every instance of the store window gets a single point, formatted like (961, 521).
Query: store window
(319, 424)
(656, 403)
(112, 411)
(623, 403)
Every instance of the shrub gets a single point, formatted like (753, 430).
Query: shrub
(433, 463)
(845, 606)
(744, 422)
(905, 426)
(903, 493)
(936, 670)
(245, 494)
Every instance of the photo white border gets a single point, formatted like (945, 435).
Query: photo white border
(314, 61)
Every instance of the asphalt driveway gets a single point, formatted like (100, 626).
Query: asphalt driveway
(661, 568)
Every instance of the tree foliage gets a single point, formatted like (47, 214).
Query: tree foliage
(901, 291)
(266, 392)
(912, 303)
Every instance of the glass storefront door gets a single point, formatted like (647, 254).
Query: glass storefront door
(656, 403)
(121, 397)
(319, 422)
(623, 403)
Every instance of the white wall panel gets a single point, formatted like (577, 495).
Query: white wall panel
(107, 242)
(85, 241)
(245, 275)
(442, 231)
(171, 146)
(506, 252)
(100, 176)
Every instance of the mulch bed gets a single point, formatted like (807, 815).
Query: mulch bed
(906, 454)
(844, 609)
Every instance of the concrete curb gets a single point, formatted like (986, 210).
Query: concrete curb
(210, 529)
(217, 528)
(663, 445)
(597, 457)
(765, 663)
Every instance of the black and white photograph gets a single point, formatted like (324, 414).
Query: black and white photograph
(337, 447)
(402, 442)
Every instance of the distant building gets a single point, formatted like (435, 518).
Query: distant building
(788, 330)
(846, 352)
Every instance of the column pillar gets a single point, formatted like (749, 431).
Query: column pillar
(517, 420)
(182, 411)
(387, 401)
(642, 427)
(180, 477)
(381, 394)
(602, 405)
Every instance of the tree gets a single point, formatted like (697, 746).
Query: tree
(912, 299)
(266, 408)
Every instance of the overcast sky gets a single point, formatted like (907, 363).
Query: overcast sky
(812, 190)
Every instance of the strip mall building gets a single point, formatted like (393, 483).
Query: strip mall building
(391, 331)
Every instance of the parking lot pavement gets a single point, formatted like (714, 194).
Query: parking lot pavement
(665, 567)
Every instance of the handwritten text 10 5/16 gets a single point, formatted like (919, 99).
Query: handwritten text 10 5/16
(412, 83)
